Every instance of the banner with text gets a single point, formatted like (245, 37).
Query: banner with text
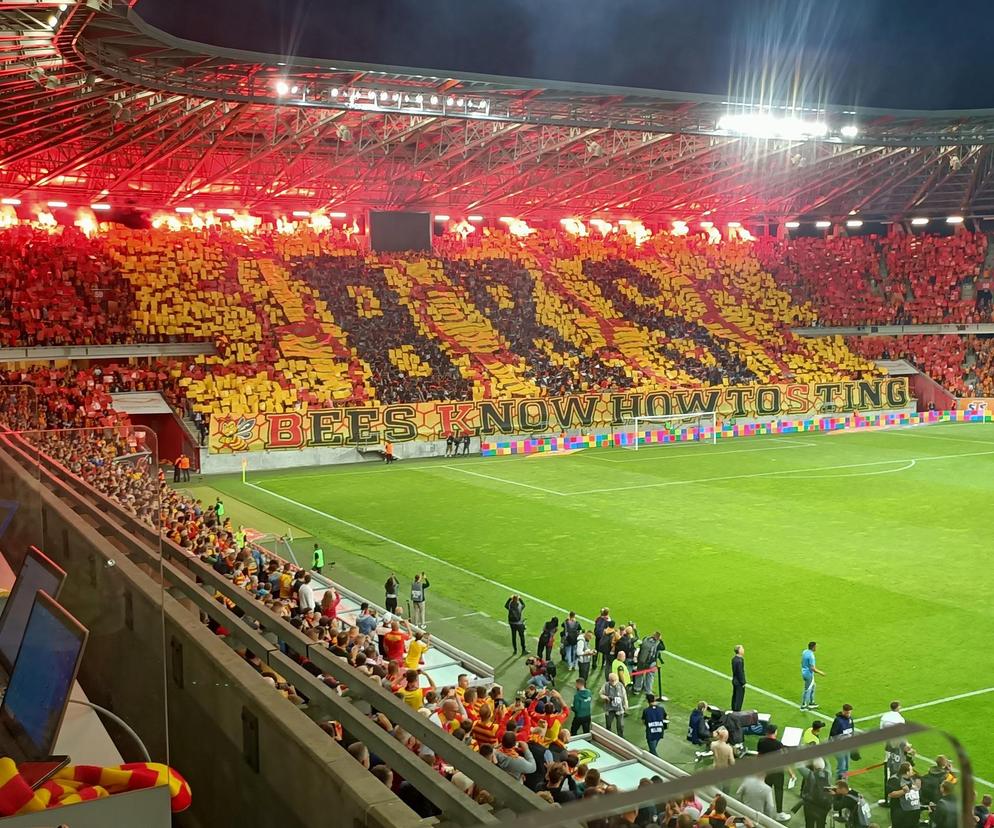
(403, 422)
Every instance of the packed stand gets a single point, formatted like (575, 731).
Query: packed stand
(898, 279)
(61, 289)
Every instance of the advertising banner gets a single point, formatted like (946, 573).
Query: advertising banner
(403, 422)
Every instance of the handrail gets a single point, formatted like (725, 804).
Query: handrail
(507, 792)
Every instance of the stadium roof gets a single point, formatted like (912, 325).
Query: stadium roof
(98, 106)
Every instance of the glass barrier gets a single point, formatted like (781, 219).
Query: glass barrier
(750, 773)
(74, 491)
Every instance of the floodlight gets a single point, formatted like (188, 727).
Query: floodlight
(301, 213)
(225, 211)
(441, 217)
(792, 225)
(13, 202)
(954, 219)
(475, 218)
(57, 204)
(854, 223)
(184, 209)
(735, 224)
(920, 221)
(849, 131)
(337, 215)
(823, 224)
(282, 87)
(100, 207)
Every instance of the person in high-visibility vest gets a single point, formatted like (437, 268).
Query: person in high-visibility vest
(318, 559)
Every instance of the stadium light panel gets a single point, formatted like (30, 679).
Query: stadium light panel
(920, 221)
(334, 92)
(954, 219)
(282, 87)
(301, 213)
(849, 131)
(52, 20)
(475, 218)
(338, 215)
(57, 204)
(735, 225)
(100, 206)
(854, 223)
(823, 224)
(186, 210)
(12, 202)
(461, 102)
(434, 100)
(383, 96)
(766, 125)
(293, 90)
(441, 217)
(450, 101)
(225, 211)
(792, 225)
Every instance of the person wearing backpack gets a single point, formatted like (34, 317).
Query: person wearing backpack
(816, 797)
(571, 634)
(547, 638)
(516, 621)
(903, 794)
(649, 653)
(851, 806)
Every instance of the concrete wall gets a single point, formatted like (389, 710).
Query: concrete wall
(218, 708)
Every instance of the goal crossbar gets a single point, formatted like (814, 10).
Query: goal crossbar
(646, 430)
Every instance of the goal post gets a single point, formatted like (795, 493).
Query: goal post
(701, 426)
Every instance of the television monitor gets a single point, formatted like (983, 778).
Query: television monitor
(42, 679)
(38, 572)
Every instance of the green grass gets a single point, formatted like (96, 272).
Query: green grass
(874, 544)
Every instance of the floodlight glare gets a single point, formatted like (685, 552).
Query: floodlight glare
(954, 220)
(792, 225)
(921, 221)
(854, 223)
(282, 87)
(849, 131)
(823, 224)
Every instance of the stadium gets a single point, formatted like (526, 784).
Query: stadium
(403, 447)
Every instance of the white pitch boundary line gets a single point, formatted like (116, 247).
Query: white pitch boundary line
(777, 472)
(934, 702)
(506, 588)
(791, 445)
(505, 480)
(457, 617)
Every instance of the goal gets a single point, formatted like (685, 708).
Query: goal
(700, 426)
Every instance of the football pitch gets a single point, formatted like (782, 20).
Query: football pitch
(874, 544)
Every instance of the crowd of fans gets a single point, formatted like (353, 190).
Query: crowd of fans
(60, 289)
(898, 279)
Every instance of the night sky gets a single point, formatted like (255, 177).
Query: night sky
(889, 53)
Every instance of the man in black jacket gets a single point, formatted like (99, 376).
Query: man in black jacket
(738, 677)
(516, 621)
(946, 812)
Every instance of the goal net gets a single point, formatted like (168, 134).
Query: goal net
(693, 427)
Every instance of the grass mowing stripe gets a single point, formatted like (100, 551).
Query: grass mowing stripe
(504, 480)
(691, 662)
(777, 472)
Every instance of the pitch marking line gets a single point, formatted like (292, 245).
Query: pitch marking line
(814, 469)
(907, 433)
(505, 480)
(790, 445)
(769, 694)
(909, 464)
(934, 702)
(457, 617)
